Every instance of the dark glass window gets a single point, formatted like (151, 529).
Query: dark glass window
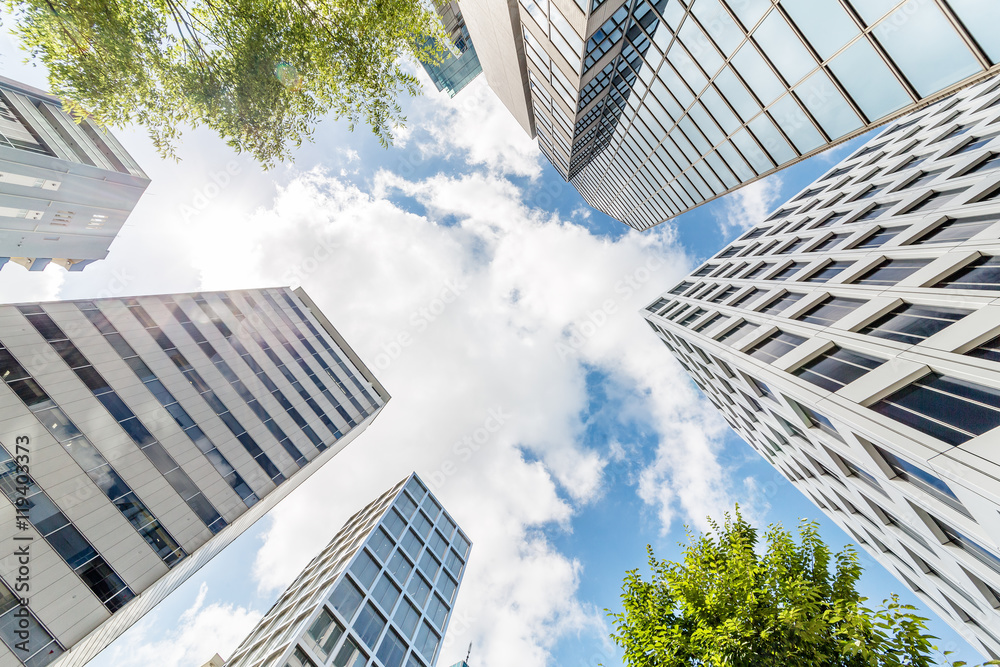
(46, 327)
(822, 423)
(709, 322)
(936, 200)
(990, 163)
(876, 211)
(759, 271)
(386, 593)
(70, 354)
(949, 409)
(957, 230)
(971, 547)
(346, 599)
(683, 287)
(789, 271)
(923, 178)
(836, 368)
(989, 350)
(975, 143)
(881, 236)
(831, 242)
(796, 245)
(10, 369)
(724, 294)
(781, 303)
(981, 274)
(691, 317)
(736, 333)
(369, 625)
(828, 272)
(753, 293)
(832, 220)
(891, 271)
(392, 651)
(919, 477)
(775, 346)
(911, 324)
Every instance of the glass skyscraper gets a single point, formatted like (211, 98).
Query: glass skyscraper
(853, 339)
(460, 66)
(380, 594)
(140, 436)
(652, 107)
(66, 188)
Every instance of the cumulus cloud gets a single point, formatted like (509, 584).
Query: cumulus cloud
(201, 632)
(749, 205)
(483, 317)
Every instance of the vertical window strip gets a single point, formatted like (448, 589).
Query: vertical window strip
(234, 381)
(318, 357)
(331, 351)
(290, 349)
(256, 368)
(167, 400)
(90, 459)
(143, 438)
(286, 372)
(202, 387)
(63, 536)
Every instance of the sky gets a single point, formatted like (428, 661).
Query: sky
(480, 289)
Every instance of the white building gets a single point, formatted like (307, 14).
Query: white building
(852, 339)
(66, 188)
(153, 431)
(380, 594)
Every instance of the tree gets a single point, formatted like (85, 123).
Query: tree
(727, 604)
(258, 72)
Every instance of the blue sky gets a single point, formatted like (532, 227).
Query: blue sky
(606, 446)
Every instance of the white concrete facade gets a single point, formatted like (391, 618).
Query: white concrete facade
(653, 107)
(379, 595)
(156, 430)
(66, 188)
(850, 337)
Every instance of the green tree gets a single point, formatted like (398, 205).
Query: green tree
(260, 73)
(732, 603)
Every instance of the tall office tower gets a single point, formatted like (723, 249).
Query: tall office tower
(140, 436)
(380, 594)
(66, 189)
(652, 107)
(852, 339)
(461, 66)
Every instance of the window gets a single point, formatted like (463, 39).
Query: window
(880, 237)
(876, 211)
(737, 332)
(828, 272)
(763, 389)
(419, 589)
(911, 324)
(724, 294)
(975, 143)
(406, 617)
(860, 473)
(365, 569)
(990, 163)
(299, 659)
(990, 350)
(836, 368)
(957, 230)
(692, 316)
(427, 641)
(775, 346)
(407, 507)
(437, 610)
(919, 477)
(369, 625)
(399, 566)
(890, 271)
(922, 178)
(796, 245)
(381, 543)
(981, 274)
(936, 200)
(683, 287)
(971, 547)
(709, 322)
(350, 655)
(949, 409)
(346, 599)
(393, 650)
(789, 271)
(411, 544)
(386, 593)
(759, 271)
(820, 421)
(781, 303)
(834, 240)
(324, 634)
(752, 294)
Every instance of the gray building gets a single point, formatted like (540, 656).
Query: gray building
(140, 436)
(66, 188)
(461, 65)
(853, 339)
(650, 108)
(380, 594)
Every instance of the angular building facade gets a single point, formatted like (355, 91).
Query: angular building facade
(852, 339)
(380, 594)
(66, 188)
(461, 66)
(650, 108)
(140, 436)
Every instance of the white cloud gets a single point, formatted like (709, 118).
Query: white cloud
(749, 205)
(200, 632)
(502, 313)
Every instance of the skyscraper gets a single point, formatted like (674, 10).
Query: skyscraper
(650, 108)
(461, 66)
(66, 189)
(140, 436)
(382, 590)
(852, 339)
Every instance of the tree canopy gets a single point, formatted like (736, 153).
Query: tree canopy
(733, 603)
(260, 73)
